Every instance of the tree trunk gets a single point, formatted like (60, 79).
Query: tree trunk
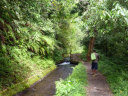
(90, 48)
(70, 53)
(91, 44)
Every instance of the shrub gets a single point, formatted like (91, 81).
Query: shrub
(116, 76)
(74, 84)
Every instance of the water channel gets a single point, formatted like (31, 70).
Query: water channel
(46, 87)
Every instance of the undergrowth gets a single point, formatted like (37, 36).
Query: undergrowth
(116, 75)
(74, 84)
(20, 65)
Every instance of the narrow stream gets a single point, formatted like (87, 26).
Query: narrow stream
(46, 87)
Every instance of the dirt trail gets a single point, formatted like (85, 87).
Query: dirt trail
(97, 86)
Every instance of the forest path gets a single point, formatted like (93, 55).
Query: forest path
(97, 85)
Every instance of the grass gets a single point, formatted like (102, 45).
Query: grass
(18, 66)
(75, 84)
(15, 88)
(116, 74)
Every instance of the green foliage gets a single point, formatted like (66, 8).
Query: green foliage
(74, 84)
(107, 21)
(84, 53)
(14, 89)
(32, 33)
(116, 76)
(81, 7)
(20, 65)
(58, 55)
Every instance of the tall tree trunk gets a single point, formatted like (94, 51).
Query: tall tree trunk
(91, 44)
(90, 48)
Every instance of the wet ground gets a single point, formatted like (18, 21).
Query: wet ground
(46, 87)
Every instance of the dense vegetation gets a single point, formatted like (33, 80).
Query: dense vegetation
(107, 22)
(34, 34)
(116, 75)
(75, 84)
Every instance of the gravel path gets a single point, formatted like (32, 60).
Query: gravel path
(97, 85)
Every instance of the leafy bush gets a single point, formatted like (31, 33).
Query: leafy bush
(116, 76)
(74, 84)
(58, 55)
(32, 32)
(84, 53)
(20, 65)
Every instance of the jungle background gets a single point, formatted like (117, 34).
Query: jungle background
(36, 34)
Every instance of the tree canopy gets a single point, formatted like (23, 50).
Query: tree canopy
(39, 32)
